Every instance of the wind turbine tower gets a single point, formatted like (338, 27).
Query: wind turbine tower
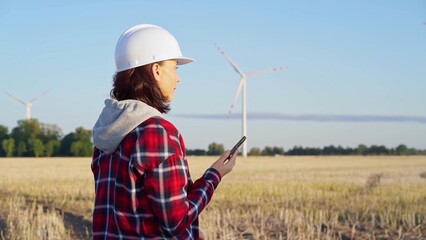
(242, 87)
(28, 104)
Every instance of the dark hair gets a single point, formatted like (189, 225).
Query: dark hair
(139, 84)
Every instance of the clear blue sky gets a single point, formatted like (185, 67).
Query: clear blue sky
(364, 61)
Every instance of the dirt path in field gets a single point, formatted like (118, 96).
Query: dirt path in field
(79, 227)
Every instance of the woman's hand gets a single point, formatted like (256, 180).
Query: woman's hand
(225, 167)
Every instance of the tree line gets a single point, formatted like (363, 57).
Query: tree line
(217, 149)
(34, 139)
(361, 149)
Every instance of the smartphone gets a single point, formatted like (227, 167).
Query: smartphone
(234, 149)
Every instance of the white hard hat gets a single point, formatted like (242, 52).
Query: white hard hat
(144, 44)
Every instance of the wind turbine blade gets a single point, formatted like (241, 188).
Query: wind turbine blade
(35, 98)
(265, 71)
(15, 98)
(240, 86)
(234, 66)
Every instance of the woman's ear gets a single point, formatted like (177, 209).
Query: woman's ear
(155, 69)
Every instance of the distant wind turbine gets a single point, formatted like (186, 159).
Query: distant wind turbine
(242, 86)
(28, 104)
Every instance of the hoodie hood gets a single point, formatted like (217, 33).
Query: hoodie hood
(117, 119)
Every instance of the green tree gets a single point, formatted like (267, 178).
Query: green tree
(50, 132)
(268, 151)
(272, 151)
(22, 149)
(254, 151)
(65, 146)
(23, 133)
(278, 151)
(50, 135)
(377, 150)
(77, 143)
(8, 146)
(81, 148)
(30, 127)
(196, 152)
(401, 150)
(4, 132)
(52, 147)
(82, 134)
(330, 150)
(215, 149)
(312, 151)
(361, 149)
(296, 150)
(36, 147)
(3, 136)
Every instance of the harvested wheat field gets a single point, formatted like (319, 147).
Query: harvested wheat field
(263, 198)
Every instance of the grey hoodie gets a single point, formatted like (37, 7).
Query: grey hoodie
(117, 119)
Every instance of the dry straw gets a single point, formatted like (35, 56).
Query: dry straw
(263, 198)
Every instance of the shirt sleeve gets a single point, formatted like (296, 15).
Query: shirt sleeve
(159, 157)
(167, 188)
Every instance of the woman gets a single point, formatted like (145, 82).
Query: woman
(143, 189)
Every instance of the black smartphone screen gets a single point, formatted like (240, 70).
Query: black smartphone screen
(234, 149)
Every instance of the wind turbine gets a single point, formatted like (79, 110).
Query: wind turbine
(28, 104)
(242, 87)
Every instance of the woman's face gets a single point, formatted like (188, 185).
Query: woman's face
(168, 78)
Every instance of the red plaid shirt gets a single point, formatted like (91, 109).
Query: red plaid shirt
(144, 191)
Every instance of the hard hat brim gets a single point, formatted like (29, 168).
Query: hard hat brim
(184, 60)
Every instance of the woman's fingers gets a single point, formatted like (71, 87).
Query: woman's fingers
(225, 163)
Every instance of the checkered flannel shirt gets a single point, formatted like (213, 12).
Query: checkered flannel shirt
(144, 190)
